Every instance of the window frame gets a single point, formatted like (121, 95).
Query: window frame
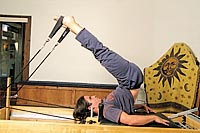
(26, 20)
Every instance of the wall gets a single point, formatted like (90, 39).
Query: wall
(139, 30)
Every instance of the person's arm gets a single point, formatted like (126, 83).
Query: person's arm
(138, 120)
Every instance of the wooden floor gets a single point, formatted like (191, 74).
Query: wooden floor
(37, 125)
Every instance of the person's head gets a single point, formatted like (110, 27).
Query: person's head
(84, 105)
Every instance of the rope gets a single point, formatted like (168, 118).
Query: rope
(38, 67)
(53, 105)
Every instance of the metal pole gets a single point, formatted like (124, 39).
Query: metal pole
(8, 98)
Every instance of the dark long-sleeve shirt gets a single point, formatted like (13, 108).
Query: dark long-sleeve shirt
(128, 75)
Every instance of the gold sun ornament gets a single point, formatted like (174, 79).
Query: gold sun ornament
(170, 67)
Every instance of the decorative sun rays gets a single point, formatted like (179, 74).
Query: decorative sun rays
(170, 67)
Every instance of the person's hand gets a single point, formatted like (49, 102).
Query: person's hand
(69, 22)
(148, 109)
(160, 120)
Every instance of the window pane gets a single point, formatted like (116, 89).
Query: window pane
(11, 51)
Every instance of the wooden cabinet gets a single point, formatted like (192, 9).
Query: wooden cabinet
(54, 93)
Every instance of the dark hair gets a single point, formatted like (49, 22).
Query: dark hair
(81, 111)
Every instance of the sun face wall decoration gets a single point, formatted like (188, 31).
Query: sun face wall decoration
(170, 67)
(171, 83)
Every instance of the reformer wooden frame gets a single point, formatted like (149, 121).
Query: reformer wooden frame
(25, 125)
